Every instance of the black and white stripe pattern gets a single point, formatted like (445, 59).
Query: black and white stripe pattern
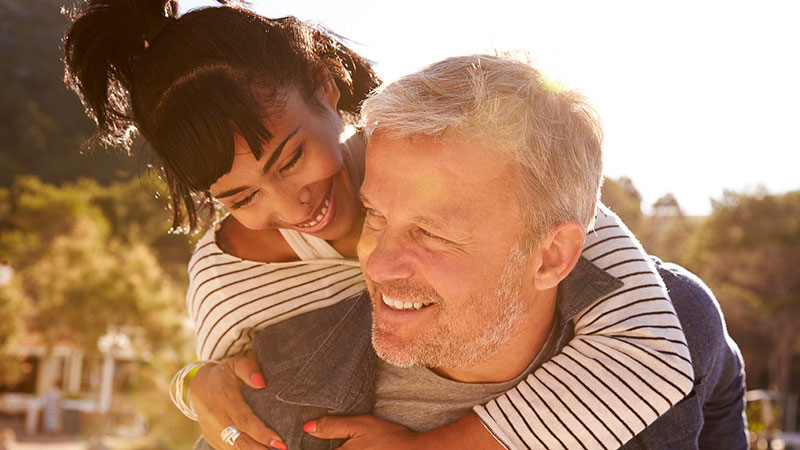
(229, 299)
(627, 364)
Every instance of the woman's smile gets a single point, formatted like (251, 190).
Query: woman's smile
(321, 216)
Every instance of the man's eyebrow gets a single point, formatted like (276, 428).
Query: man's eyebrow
(429, 222)
(277, 153)
(438, 225)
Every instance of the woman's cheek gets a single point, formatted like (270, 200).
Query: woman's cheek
(251, 220)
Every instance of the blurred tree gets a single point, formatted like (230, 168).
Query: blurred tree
(42, 124)
(88, 260)
(667, 205)
(666, 231)
(11, 310)
(622, 197)
(747, 251)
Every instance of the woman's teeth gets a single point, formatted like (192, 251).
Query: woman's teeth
(400, 305)
(319, 216)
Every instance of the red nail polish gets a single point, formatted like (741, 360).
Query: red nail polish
(258, 381)
(310, 426)
(280, 445)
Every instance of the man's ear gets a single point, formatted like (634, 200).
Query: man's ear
(328, 92)
(558, 253)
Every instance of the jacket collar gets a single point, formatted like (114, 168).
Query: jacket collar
(586, 284)
(340, 375)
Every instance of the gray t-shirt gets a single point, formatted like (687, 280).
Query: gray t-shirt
(421, 400)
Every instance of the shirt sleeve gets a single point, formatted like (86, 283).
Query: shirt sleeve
(627, 364)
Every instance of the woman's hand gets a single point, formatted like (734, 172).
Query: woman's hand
(372, 433)
(363, 433)
(216, 394)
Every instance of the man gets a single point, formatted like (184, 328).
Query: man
(471, 251)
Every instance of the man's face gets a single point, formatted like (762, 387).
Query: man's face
(440, 251)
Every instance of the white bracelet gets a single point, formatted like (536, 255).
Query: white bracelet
(177, 392)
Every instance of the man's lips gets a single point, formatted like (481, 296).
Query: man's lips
(400, 305)
(391, 311)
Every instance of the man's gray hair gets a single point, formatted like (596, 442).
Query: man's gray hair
(507, 106)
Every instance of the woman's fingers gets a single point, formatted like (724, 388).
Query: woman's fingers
(244, 442)
(217, 396)
(246, 369)
(249, 423)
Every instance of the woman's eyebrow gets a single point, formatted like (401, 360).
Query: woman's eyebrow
(270, 162)
(277, 153)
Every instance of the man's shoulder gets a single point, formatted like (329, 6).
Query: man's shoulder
(698, 311)
(711, 415)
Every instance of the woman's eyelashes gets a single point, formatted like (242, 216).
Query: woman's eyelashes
(293, 160)
(244, 202)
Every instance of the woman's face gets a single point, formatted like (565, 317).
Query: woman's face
(305, 177)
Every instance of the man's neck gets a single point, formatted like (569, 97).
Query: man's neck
(518, 354)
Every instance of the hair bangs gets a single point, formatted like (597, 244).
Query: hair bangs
(197, 124)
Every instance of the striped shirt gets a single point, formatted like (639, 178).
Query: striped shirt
(626, 365)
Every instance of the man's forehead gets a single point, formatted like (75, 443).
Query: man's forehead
(432, 160)
(433, 178)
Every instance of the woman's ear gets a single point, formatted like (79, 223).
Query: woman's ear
(328, 91)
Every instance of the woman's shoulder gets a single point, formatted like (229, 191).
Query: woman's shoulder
(267, 246)
(225, 247)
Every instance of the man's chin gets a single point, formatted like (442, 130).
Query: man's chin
(394, 350)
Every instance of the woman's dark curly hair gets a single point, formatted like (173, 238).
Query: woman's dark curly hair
(186, 83)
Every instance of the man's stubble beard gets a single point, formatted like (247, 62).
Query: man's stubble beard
(492, 322)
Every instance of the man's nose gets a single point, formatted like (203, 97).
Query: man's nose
(386, 256)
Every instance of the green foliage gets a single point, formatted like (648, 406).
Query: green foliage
(747, 251)
(11, 310)
(624, 199)
(753, 242)
(86, 260)
(664, 233)
(42, 124)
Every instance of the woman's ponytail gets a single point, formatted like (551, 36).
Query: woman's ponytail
(102, 49)
(353, 74)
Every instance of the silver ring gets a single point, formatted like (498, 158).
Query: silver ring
(229, 435)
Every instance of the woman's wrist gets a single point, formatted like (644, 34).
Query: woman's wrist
(179, 390)
(466, 432)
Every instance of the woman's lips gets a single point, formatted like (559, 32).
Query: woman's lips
(321, 217)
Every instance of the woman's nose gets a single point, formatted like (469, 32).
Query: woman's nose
(292, 205)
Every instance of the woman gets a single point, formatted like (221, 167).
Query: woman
(253, 114)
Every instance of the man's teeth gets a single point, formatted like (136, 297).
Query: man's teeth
(319, 216)
(397, 304)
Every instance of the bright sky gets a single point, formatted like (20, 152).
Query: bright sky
(695, 96)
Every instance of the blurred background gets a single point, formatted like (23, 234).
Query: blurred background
(700, 105)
